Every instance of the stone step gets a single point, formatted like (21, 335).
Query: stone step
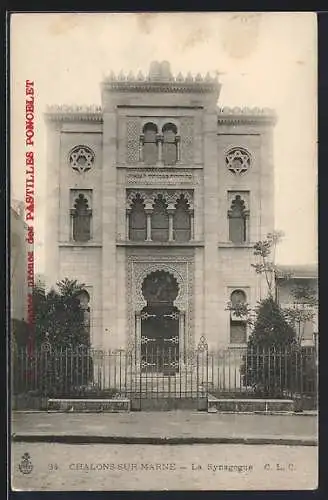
(89, 405)
(249, 405)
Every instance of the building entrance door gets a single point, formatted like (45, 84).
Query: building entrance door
(160, 325)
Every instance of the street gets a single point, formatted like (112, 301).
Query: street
(152, 467)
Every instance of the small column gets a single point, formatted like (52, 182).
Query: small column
(138, 329)
(192, 225)
(148, 228)
(137, 341)
(177, 141)
(182, 336)
(170, 212)
(159, 140)
(141, 145)
(127, 224)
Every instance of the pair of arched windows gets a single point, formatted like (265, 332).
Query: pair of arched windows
(159, 147)
(164, 224)
(238, 326)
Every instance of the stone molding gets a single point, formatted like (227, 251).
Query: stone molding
(226, 115)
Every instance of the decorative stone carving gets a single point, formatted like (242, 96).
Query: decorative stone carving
(132, 140)
(247, 115)
(187, 140)
(170, 196)
(243, 195)
(181, 267)
(238, 160)
(154, 177)
(64, 112)
(81, 158)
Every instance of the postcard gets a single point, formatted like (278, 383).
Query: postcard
(164, 305)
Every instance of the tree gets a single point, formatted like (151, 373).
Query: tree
(303, 309)
(271, 328)
(265, 251)
(269, 361)
(59, 316)
(61, 359)
(269, 364)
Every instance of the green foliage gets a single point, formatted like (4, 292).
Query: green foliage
(271, 357)
(265, 251)
(60, 362)
(59, 317)
(271, 328)
(20, 332)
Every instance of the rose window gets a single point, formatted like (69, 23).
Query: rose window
(81, 159)
(238, 160)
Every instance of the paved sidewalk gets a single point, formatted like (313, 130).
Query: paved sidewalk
(171, 427)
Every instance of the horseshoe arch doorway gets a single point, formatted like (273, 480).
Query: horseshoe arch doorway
(160, 324)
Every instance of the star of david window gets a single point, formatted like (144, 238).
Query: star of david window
(238, 161)
(81, 159)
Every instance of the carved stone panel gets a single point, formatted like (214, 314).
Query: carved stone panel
(132, 140)
(157, 177)
(181, 267)
(187, 140)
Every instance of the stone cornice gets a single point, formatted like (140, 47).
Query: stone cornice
(72, 113)
(172, 87)
(245, 115)
(226, 115)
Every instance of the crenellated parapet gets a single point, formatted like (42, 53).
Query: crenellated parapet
(160, 79)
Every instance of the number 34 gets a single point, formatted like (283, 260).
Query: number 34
(52, 467)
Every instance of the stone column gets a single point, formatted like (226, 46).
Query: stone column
(127, 224)
(182, 337)
(138, 336)
(211, 225)
(192, 225)
(159, 142)
(141, 144)
(149, 212)
(177, 142)
(170, 212)
(109, 211)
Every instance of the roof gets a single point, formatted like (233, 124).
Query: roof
(301, 271)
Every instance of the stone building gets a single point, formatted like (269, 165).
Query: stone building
(155, 200)
(303, 279)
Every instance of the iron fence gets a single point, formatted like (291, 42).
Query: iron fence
(154, 373)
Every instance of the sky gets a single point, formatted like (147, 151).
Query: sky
(263, 60)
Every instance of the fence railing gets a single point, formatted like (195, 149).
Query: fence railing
(240, 371)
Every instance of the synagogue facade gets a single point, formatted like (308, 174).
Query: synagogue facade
(155, 200)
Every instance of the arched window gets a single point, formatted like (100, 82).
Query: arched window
(170, 144)
(160, 220)
(237, 220)
(137, 220)
(238, 297)
(149, 140)
(181, 220)
(81, 215)
(238, 327)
